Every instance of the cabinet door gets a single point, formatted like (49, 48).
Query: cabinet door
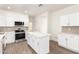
(25, 19)
(10, 37)
(44, 45)
(64, 20)
(26, 35)
(10, 20)
(62, 40)
(19, 17)
(16, 17)
(36, 46)
(0, 48)
(2, 20)
(74, 19)
(73, 43)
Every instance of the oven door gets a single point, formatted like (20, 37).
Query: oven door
(19, 36)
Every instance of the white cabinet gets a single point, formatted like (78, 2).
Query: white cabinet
(25, 19)
(73, 43)
(62, 40)
(39, 44)
(0, 45)
(44, 47)
(69, 20)
(11, 18)
(10, 21)
(2, 20)
(0, 48)
(69, 41)
(10, 37)
(64, 20)
(1, 42)
(16, 17)
(74, 19)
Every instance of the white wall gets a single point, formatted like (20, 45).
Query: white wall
(41, 22)
(54, 20)
(32, 19)
(53, 26)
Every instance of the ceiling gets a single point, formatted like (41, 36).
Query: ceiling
(33, 9)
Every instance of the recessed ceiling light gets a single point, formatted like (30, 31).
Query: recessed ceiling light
(9, 7)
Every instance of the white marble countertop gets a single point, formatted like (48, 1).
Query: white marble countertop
(2, 34)
(38, 34)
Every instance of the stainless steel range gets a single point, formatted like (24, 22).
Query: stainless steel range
(19, 34)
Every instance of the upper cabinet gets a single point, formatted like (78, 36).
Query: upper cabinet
(64, 20)
(69, 20)
(2, 20)
(8, 19)
(74, 19)
(25, 19)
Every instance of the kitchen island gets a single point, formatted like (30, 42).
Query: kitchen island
(38, 41)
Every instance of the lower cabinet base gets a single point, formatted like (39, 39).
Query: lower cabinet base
(75, 51)
(37, 51)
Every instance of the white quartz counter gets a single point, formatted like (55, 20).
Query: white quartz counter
(1, 35)
(1, 42)
(38, 34)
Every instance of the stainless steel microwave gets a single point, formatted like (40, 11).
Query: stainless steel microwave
(19, 23)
